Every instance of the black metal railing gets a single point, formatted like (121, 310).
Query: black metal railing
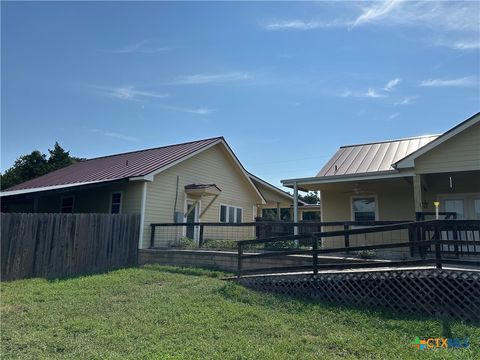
(424, 241)
(430, 215)
(225, 235)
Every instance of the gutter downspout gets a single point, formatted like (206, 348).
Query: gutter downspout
(142, 214)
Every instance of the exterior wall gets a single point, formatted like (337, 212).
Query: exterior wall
(460, 153)
(212, 166)
(272, 198)
(96, 200)
(394, 202)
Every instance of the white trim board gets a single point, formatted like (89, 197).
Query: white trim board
(392, 174)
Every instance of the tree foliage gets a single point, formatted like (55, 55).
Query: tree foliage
(35, 164)
(310, 198)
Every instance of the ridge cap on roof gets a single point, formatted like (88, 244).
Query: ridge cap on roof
(388, 141)
(153, 148)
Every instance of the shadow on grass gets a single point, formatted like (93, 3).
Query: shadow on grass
(235, 292)
(192, 271)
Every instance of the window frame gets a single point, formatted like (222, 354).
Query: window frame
(354, 197)
(120, 204)
(65, 198)
(227, 214)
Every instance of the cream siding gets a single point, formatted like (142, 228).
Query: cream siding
(460, 153)
(213, 165)
(394, 202)
(273, 197)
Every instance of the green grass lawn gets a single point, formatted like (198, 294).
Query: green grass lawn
(170, 313)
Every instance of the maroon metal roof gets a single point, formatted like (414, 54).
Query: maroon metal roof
(373, 157)
(117, 167)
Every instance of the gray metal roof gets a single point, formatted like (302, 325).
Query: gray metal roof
(372, 157)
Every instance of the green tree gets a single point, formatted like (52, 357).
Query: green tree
(59, 157)
(310, 198)
(26, 167)
(35, 164)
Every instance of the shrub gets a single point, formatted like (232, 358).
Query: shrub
(281, 245)
(187, 243)
(219, 244)
(366, 254)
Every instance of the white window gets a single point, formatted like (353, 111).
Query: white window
(116, 203)
(364, 208)
(66, 206)
(231, 214)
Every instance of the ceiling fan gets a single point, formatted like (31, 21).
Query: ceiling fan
(358, 190)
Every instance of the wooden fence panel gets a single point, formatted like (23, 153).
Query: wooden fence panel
(57, 245)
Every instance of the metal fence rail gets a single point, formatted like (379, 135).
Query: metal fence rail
(219, 235)
(427, 243)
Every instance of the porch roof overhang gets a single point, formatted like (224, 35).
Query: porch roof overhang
(60, 188)
(310, 183)
(202, 189)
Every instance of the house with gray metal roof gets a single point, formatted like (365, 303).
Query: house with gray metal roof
(196, 181)
(401, 179)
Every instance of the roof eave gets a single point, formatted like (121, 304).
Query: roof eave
(346, 178)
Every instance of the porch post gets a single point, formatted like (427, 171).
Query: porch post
(417, 193)
(295, 207)
(279, 215)
(143, 201)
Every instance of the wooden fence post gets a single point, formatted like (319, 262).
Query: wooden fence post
(315, 254)
(239, 260)
(346, 227)
(152, 236)
(200, 237)
(438, 248)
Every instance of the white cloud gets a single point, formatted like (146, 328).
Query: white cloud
(197, 111)
(302, 25)
(370, 93)
(197, 79)
(121, 136)
(391, 84)
(115, 135)
(393, 116)
(459, 82)
(378, 11)
(461, 44)
(129, 93)
(457, 18)
(450, 15)
(406, 101)
(142, 47)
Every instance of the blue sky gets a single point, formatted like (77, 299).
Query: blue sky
(285, 83)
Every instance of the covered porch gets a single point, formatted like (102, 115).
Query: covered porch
(392, 196)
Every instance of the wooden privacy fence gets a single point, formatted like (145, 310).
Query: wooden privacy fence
(58, 245)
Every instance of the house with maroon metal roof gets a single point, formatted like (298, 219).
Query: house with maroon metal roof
(198, 181)
(401, 179)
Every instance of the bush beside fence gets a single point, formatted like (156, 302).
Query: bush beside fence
(58, 245)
